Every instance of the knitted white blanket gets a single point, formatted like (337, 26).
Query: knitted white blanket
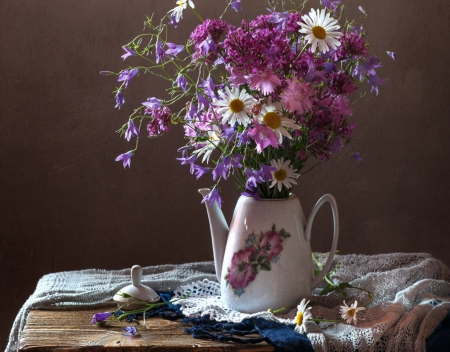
(412, 296)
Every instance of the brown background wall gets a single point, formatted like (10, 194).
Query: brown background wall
(65, 204)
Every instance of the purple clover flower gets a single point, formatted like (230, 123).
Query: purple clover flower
(129, 331)
(128, 52)
(174, 49)
(131, 131)
(159, 52)
(127, 75)
(162, 117)
(213, 197)
(100, 317)
(120, 100)
(126, 157)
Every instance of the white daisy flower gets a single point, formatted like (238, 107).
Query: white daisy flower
(320, 30)
(284, 175)
(211, 143)
(349, 313)
(178, 11)
(234, 106)
(270, 116)
(303, 314)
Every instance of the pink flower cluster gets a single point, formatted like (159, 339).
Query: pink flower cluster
(259, 254)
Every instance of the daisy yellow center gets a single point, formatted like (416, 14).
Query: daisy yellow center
(272, 119)
(236, 105)
(299, 318)
(279, 175)
(351, 312)
(319, 32)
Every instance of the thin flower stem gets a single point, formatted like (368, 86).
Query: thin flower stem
(196, 14)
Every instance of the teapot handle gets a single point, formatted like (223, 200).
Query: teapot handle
(330, 199)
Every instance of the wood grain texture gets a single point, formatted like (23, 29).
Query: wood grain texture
(70, 330)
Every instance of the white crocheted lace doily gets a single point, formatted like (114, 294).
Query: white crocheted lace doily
(412, 296)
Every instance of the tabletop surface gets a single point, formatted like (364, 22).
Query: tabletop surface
(70, 330)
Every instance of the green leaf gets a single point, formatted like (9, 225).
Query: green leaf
(262, 259)
(328, 289)
(256, 268)
(266, 266)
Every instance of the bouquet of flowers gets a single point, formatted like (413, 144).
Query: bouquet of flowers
(257, 100)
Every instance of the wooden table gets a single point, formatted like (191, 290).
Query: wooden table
(70, 330)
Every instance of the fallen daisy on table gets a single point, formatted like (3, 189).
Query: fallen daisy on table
(349, 313)
(303, 314)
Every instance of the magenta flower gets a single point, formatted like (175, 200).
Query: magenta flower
(271, 244)
(100, 317)
(297, 96)
(263, 137)
(241, 272)
(162, 118)
(265, 81)
(126, 158)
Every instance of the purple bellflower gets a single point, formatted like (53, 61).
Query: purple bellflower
(280, 18)
(213, 197)
(159, 52)
(120, 100)
(236, 5)
(126, 158)
(181, 82)
(131, 131)
(127, 75)
(392, 54)
(128, 52)
(100, 317)
(203, 103)
(129, 331)
(200, 170)
(174, 49)
(152, 103)
(356, 156)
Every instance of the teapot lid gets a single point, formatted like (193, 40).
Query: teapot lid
(137, 291)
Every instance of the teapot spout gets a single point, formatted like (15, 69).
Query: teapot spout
(219, 231)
